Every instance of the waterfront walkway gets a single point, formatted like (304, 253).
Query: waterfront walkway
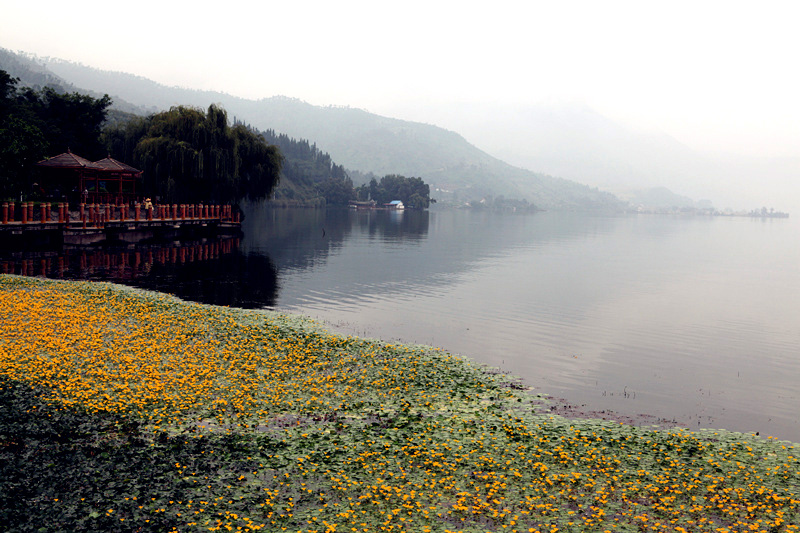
(95, 222)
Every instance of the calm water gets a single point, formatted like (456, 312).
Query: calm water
(695, 320)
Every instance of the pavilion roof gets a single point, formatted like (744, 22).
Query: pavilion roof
(109, 163)
(68, 160)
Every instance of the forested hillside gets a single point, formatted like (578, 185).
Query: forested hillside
(306, 173)
(364, 142)
(306, 170)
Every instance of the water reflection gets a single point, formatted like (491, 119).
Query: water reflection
(300, 238)
(210, 270)
(685, 318)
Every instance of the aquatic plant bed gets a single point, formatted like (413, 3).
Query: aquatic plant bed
(126, 410)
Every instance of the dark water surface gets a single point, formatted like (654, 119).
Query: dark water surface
(695, 319)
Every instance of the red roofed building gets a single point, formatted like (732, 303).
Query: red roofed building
(104, 181)
(118, 176)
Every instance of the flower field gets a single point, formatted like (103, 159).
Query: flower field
(125, 410)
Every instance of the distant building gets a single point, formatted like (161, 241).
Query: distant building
(369, 204)
(395, 204)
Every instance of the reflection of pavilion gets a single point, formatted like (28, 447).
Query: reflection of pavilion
(105, 181)
(114, 264)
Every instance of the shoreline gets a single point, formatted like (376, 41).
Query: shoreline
(220, 418)
(548, 404)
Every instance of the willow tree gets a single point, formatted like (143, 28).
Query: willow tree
(188, 155)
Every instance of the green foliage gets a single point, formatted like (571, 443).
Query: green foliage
(309, 177)
(73, 122)
(35, 124)
(189, 155)
(337, 191)
(301, 430)
(413, 192)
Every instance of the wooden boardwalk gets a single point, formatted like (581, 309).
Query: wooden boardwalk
(97, 222)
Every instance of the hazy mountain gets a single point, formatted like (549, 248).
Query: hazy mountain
(361, 141)
(33, 73)
(567, 140)
(576, 142)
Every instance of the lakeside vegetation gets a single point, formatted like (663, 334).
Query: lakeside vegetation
(187, 154)
(191, 155)
(128, 410)
(39, 123)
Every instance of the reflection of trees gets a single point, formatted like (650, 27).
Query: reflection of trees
(211, 271)
(394, 225)
(248, 281)
(296, 238)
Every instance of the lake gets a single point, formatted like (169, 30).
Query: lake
(694, 320)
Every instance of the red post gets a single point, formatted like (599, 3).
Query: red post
(150, 213)
(136, 211)
(24, 212)
(5, 212)
(174, 211)
(108, 213)
(42, 211)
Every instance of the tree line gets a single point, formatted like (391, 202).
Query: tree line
(191, 155)
(186, 154)
(413, 192)
(35, 124)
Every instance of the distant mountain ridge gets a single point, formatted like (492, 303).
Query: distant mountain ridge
(359, 140)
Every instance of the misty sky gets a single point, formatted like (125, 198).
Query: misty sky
(718, 76)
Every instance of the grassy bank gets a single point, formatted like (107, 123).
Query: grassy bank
(124, 410)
